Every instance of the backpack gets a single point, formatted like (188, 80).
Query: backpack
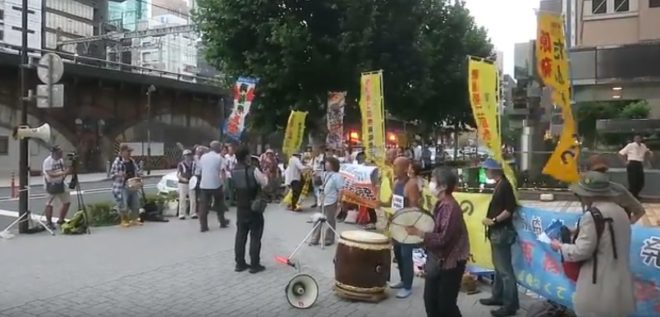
(572, 269)
(546, 309)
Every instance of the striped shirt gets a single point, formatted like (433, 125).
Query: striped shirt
(449, 239)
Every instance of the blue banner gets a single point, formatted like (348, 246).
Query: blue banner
(538, 267)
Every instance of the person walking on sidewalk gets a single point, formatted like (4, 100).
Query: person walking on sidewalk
(185, 171)
(294, 179)
(635, 154)
(193, 186)
(211, 168)
(54, 173)
(330, 187)
(249, 182)
(625, 199)
(124, 168)
(502, 236)
(230, 162)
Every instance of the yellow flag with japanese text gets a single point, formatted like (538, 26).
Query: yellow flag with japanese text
(295, 132)
(483, 87)
(373, 116)
(552, 66)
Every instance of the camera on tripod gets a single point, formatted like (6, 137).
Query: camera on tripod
(73, 159)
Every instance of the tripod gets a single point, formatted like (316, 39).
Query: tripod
(319, 223)
(79, 197)
(26, 217)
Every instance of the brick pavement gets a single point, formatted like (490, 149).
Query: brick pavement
(171, 269)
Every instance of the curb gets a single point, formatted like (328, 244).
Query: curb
(92, 181)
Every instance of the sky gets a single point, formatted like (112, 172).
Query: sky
(508, 22)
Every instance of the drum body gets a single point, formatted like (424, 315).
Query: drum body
(134, 183)
(410, 217)
(362, 262)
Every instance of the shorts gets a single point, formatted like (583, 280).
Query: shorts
(64, 198)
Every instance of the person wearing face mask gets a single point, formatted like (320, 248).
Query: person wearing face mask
(447, 246)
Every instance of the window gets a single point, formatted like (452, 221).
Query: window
(4, 145)
(21, 9)
(654, 3)
(2, 15)
(621, 5)
(599, 6)
(15, 28)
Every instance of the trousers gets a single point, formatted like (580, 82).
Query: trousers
(208, 196)
(184, 200)
(441, 292)
(403, 253)
(635, 171)
(505, 287)
(296, 189)
(254, 228)
(330, 213)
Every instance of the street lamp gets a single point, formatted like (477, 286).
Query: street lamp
(150, 90)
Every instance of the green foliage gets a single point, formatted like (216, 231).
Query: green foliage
(635, 110)
(161, 199)
(102, 214)
(589, 112)
(300, 50)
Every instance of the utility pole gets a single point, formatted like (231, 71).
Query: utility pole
(23, 147)
(150, 90)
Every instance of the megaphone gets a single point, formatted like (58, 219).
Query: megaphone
(42, 133)
(302, 291)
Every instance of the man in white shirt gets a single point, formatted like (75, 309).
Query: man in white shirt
(635, 154)
(294, 180)
(230, 162)
(211, 171)
(318, 166)
(54, 172)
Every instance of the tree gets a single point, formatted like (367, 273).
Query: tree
(300, 49)
(589, 112)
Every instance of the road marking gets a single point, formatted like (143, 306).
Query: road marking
(14, 214)
(73, 193)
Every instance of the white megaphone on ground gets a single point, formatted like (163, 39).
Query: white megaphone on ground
(42, 133)
(302, 291)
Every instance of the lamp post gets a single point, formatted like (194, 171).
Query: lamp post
(23, 145)
(150, 90)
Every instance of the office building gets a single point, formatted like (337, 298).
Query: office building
(615, 22)
(179, 8)
(127, 15)
(11, 27)
(73, 19)
(175, 53)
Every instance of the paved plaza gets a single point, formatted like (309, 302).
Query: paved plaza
(171, 269)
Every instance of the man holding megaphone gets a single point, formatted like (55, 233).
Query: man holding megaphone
(55, 172)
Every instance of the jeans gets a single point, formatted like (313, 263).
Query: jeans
(505, 287)
(441, 292)
(330, 213)
(128, 202)
(206, 197)
(255, 229)
(404, 258)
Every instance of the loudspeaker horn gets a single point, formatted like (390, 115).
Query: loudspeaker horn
(302, 291)
(42, 133)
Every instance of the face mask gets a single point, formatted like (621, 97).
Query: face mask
(433, 187)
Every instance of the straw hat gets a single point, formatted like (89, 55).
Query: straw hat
(593, 184)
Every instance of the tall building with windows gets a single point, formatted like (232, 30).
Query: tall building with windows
(615, 22)
(128, 14)
(73, 19)
(11, 27)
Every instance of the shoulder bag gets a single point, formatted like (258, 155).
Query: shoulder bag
(258, 203)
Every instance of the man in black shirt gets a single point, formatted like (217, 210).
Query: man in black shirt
(502, 235)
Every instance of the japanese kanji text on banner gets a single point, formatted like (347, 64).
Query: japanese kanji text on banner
(552, 65)
(243, 96)
(483, 87)
(335, 120)
(295, 132)
(373, 115)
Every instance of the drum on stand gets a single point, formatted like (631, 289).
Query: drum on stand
(408, 217)
(362, 265)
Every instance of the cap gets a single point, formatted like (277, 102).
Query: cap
(125, 147)
(187, 152)
(55, 148)
(270, 151)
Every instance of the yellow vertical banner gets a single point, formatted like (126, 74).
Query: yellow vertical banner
(373, 116)
(552, 66)
(483, 89)
(295, 132)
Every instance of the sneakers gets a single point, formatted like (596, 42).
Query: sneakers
(194, 216)
(257, 268)
(397, 285)
(182, 217)
(403, 293)
(241, 267)
(225, 224)
(490, 302)
(136, 222)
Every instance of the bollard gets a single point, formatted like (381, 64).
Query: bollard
(13, 185)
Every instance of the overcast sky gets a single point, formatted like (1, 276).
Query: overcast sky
(508, 22)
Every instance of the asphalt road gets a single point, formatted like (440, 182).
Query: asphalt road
(95, 192)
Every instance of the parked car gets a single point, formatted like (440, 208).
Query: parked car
(168, 184)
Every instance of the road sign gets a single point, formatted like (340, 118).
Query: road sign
(57, 97)
(50, 67)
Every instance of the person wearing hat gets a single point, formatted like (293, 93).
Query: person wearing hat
(502, 235)
(604, 285)
(185, 171)
(625, 199)
(55, 172)
(124, 168)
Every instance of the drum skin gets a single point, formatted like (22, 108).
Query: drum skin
(362, 262)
